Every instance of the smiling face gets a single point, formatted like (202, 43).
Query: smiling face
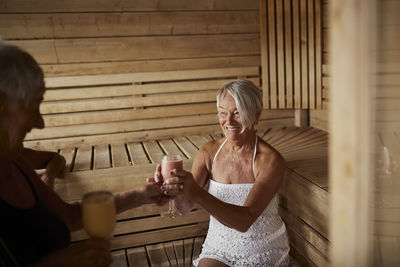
(229, 117)
(18, 119)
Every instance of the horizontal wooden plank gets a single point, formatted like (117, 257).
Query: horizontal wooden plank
(150, 223)
(52, 120)
(125, 90)
(115, 180)
(154, 65)
(307, 201)
(116, 126)
(80, 25)
(140, 239)
(131, 78)
(140, 48)
(120, 127)
(31, 6)
(121, 102)
(74, 141)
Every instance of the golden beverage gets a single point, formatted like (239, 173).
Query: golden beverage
(99, 214)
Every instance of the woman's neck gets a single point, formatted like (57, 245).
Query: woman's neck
(244, 143)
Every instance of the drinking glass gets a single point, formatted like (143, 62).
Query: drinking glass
(168, 163)
(99, 214)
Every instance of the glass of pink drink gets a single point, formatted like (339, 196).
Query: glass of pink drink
(169, 163)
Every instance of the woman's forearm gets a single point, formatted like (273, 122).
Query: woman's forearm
(233, 216)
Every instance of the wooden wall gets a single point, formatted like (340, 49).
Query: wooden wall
(291, 53)
(96, 45)
(92, 37)
(386, 184)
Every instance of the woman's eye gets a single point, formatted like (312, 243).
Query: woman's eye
(236, 113)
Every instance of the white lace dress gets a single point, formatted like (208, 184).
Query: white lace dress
(265, 243)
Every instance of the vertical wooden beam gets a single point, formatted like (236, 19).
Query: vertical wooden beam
(289, 53)
(318, 54)
(264, 53)
(351, 120)
(272, 53)
(280, 47)
(296, 53)
(311, 53)
(304, 54)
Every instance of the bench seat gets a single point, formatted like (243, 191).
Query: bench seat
(304, 196)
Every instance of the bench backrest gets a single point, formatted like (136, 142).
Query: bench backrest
(109, 108)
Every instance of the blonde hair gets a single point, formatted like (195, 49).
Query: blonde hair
(247, 98)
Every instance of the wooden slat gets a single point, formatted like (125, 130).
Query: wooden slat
(12, 6)
(188, 250)
(137, 153)
(87, 117)
(170, 147)
(118, 127)
(149, 76)
(186, 146)
(304, 57)
(311, 54)
(169, 250)
(125, 90)
(157, 255)
(289, 53)
(155, 65)
(280, 54)
(199, 140)
(318, 56)
(296, 54)
(264, 53)
(83, 158)
(137, 257)
(272, 54)
(154, 151)
(179, 252)
(74, 25)
(198, 242)
(119, 259)
(132, 137)
(390, 249)
(101, 157)
(119, 155)
(140, 48)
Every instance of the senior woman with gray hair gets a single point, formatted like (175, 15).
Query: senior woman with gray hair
(244, 175)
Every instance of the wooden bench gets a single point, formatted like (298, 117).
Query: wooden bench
(113, 129)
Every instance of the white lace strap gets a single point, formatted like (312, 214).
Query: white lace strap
(255, 151)
(219, 149)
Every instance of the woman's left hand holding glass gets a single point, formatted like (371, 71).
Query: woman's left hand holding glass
(181, 184)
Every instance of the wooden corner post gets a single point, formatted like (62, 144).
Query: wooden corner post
(351, 119)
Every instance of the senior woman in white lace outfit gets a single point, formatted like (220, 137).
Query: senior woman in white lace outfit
(244, 175)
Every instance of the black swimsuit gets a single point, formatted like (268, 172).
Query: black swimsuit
(30, 234)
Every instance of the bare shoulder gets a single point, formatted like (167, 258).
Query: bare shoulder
(268, 156)
(211, 147)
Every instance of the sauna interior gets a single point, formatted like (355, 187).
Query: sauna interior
(130, 81)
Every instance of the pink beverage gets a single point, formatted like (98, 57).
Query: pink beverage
(169, 163)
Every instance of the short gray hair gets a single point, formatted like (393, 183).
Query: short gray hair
(248, 100)
(21, 78)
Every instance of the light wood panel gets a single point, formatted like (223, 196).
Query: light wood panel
(80, 25)
(11, 6)
(351, 166)
(291, 53)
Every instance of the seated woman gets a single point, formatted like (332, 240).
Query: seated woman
(35, 222)
(244, 175)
